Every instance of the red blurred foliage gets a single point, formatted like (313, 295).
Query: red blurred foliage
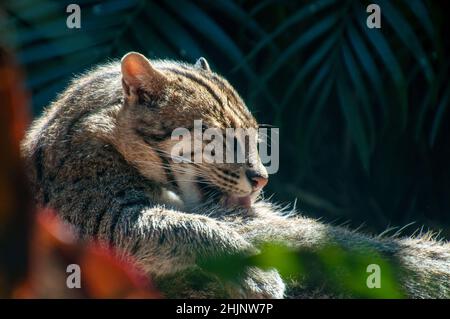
(15, 206)
(54, 246)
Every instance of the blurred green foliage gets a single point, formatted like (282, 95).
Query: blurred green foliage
(330, 270)
(363, 113)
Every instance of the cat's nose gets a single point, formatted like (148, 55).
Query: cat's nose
(257, 179)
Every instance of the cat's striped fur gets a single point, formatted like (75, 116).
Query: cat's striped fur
(99, 157)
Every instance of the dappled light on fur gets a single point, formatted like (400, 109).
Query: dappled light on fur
(100, 190)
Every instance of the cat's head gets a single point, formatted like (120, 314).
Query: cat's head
(166, 99)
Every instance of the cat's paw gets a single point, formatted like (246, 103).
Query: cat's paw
(260, 284)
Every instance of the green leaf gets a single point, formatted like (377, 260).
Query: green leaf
(308, 67)
(385, 53)
(407, 35)
(61, 47)
(173, 32)
(64, 68)
(430, 100)
(33, 12)
(361, 92)
(324, 80)
(304, 39)
(313, 122)
(421, 12)
(443, 106)
(368, 63)
(353, 120)
(54, 30)
(322, 74)
(239, 15)
(112, 6)
(304, 13)
(191, 14)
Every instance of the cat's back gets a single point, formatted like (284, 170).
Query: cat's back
(87, 93)
(60, 138)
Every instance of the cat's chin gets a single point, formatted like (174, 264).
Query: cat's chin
(232, 201)
(242, 203)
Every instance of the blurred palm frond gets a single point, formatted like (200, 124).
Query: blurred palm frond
(363, 112)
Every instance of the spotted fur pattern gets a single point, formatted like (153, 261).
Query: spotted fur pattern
(99, 156)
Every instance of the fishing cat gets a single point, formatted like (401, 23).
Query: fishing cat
(100, 156)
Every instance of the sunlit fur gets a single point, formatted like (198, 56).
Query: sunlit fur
(98, 157)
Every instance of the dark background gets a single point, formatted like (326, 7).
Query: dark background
(363, 113)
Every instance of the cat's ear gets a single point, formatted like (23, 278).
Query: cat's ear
(202, 64)
(138, 74)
